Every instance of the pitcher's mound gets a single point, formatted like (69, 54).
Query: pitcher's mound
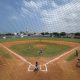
(40, 46)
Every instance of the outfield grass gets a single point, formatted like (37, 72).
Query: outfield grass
(4, 54)
(28, 50)
(20, 39)
(68, 39)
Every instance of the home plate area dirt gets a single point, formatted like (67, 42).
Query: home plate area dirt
(16, 69)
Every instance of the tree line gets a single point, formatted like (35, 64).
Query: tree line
(61, 34)
(53, 34)
(6, 34)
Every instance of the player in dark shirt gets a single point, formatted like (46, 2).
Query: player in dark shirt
(36, 67)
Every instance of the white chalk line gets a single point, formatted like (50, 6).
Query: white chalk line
(30, 65)
(53, 60)
(40, 68)
(23, 59)
(57, 58)
(20, 57)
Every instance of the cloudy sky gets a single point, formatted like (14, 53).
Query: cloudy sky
(39, 15)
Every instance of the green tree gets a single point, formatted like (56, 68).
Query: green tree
(56, 34)
(43, 33)
(63, 34)
(77, 34)
(46, 33)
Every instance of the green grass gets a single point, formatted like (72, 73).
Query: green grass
(4, 54)
(71, 57)
(62, 39)
(68, 39)
(12, 40)
(28, 50)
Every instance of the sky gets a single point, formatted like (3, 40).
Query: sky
(39, 16)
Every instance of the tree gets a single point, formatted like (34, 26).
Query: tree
(77, 34)
(43, 33)
(56, 34)
(9, 34)
(62, 34)
(51, 34)
(46, 33)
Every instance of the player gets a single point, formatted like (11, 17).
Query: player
(78, 62)
(76, 53)
(41, 51)
(36, 67)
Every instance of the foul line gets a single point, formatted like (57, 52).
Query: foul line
(57, 58)
(20, 57)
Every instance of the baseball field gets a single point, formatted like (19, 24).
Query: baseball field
(56, 58)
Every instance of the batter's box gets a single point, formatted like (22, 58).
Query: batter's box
(41, 68)
(32, 67)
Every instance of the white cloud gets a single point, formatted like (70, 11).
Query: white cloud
(58, 18)
(25, 11)
(76, 1)
(54, 4)
(41, 3)
(64, 18)
(31, 4)
(29, 7)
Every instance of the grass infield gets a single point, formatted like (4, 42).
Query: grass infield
(49, 51)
